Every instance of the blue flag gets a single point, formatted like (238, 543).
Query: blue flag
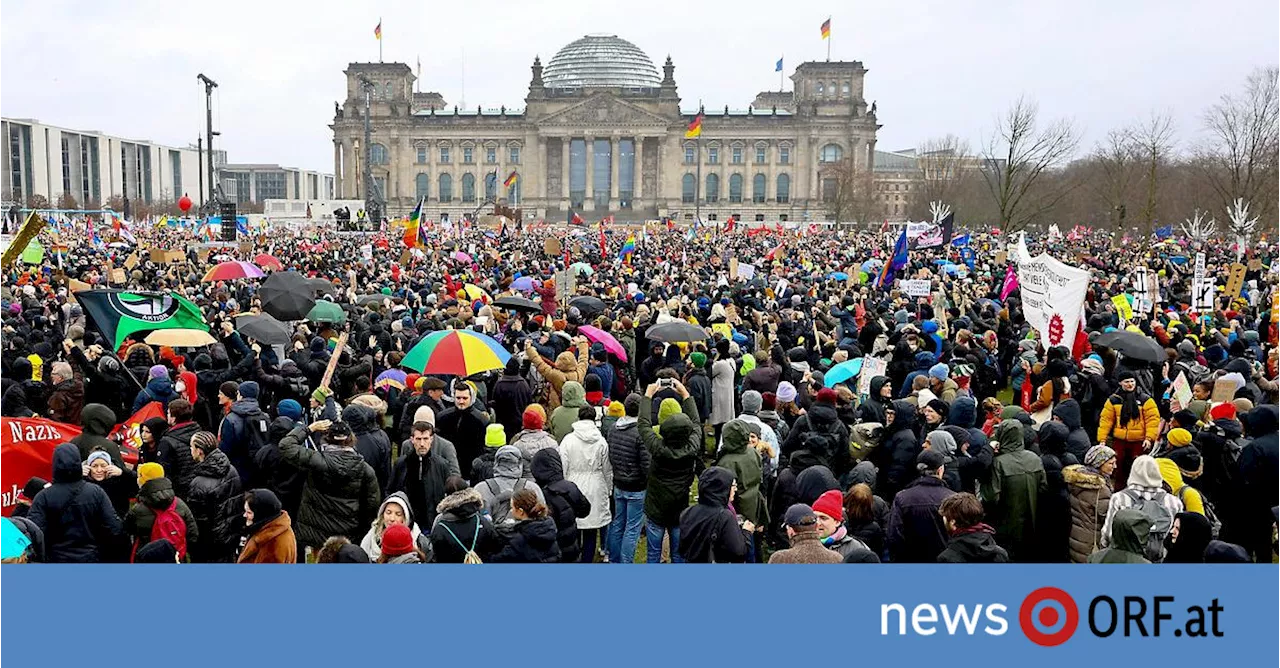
(778, 68)
(960, 241)
(896, 262)
(967, 253)
(1164, 232)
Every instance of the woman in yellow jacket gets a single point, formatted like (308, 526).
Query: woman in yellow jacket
(1130, 424)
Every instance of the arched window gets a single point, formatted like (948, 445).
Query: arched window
(831, 89)
(469, 188)
(490, 186)
(784, 189)
(758, 183)
(378, 154)
(687, 186)
(819, 88)
(444, 192)
(421, 185)
(735, 188)
(713, 187)
(831, 153)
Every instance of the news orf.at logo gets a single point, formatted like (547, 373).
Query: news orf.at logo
(1049, 617)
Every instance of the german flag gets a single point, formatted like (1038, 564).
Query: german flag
(826, 28)
(511, 179)
(377, 30)
(695, 128)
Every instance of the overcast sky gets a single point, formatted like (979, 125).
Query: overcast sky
(129, 67)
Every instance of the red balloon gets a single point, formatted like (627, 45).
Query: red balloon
(184, 204)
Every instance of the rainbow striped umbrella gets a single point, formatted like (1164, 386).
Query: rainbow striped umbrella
(456, 352)
(231, 270)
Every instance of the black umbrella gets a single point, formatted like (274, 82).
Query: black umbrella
(518, 304)
(264, 328)
(587, 305)
(675, 332)
(371, 300)
(1132, 344)
(321, 285)
(287, 295)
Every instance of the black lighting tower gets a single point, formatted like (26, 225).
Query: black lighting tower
(209, 85)
(374, 203)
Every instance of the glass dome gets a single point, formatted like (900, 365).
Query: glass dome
(601, 61)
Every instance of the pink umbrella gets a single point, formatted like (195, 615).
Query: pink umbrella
(461, 257)
(605, 339)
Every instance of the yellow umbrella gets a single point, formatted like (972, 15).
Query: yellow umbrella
(475, 292)
(180, 338)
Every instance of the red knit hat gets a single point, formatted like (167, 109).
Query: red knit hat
(531, 419)
(831, 504)
(397, 540)
(1223, 411)
(826, 396)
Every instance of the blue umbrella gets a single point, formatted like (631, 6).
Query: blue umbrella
(842, 372)
(950, 268)
(524, 283)
(838, 275)
(870, 265)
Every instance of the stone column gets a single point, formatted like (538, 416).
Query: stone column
(337, 166)
(614, 157)
(564, 168)
(590, 143)
(637, 173)
(537, 170)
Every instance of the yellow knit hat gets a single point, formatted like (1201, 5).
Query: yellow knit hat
(149, 471)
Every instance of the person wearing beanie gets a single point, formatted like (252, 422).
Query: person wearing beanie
(710, 532)
(629, 460)
(159, 388)
(532, 437)
(806, 547)
(829, 509)
(1089, 486)
(933, 414)
(151, 433)
(941, 383)
(341, 495)
(29, 491)
(158, 552)
(612, 412)
(120, 484)
(915, 532)
(270, 531)
(770, 445)
(1129, 423)
(1223, 411)
(214, 497)
(821, 433)
(1145, 493)
(398, 547)
(510, 396)
(156, 495)
(291, 409)
(698, 383)
(244, 431)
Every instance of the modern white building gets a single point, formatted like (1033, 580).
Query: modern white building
(258, 183)
(86, 168)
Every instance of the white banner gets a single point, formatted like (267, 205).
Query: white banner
(1052, 296)
(916, 287)
(1201, 287)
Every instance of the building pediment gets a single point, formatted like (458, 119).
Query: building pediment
(604, 110)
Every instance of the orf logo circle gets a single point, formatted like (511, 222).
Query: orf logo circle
(1048, 616)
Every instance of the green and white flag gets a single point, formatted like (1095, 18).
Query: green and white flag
(119, 314)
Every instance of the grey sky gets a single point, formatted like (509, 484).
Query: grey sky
(128, 67)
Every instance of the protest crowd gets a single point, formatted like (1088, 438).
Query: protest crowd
(612, 394)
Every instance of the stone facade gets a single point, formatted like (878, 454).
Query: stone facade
(762, 163)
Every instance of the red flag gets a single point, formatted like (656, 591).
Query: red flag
(728, 226)
(26, 451)
(604, 248)
(127, 433)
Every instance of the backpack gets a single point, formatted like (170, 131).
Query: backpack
(500, 505)
(170, 526)
(1161, 522)
(1195, 371)
(1210, 513)
(256, 432)
(298, 386)
(821, 444)
(470, 556)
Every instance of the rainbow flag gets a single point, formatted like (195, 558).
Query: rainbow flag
(895, 263)
(511, 179)
(413, 229)
(628, 249)
(826, 28)
(695, 128)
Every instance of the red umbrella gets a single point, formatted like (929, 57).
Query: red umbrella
(605, 339)
(267, 261)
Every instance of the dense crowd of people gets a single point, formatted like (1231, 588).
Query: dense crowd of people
(606, 437)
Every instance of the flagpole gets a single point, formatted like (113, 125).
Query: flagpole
(380, 42)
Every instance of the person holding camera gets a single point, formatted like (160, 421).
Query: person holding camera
(341, 495)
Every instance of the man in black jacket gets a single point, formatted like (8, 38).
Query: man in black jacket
(916, 533)
(174, 449)
(565, 502)
(371, 442)
(630, 461)
(709, 531)
(215, 500)
(77, 519)
(464, 425)
(421, 474)
(341, 496)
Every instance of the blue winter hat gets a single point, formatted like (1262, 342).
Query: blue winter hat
(938, 371)
(639, 297)
(248, 389)
(290, 409)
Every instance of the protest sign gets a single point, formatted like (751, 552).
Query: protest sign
(1181, 390)
(1224, 390)
(1201, 286)
(746, 271)
(915, 287)
(551, 246)
(871, 367)
(1235, 280)
(1123, 309)
(1052, 296)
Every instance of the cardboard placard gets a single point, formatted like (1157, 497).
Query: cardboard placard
(746, 270)
(1235, 280)
(871, 367)
(1255, 264)
(118, 276)
(405, 256)
(551, 246)
(1224, 390)
(733, 268)
(1002, 258)
(131, 261)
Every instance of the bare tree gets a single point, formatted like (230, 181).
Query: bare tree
(848, 192)
(1152, 143)
(1017, 155)
(1116, 172)
(942, 162)
(1240, 157)
(67, 201)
